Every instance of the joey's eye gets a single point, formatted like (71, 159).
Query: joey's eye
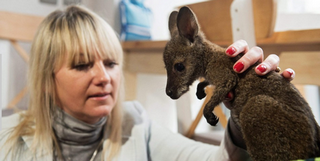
(179, 67)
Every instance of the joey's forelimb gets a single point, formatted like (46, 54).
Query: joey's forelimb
(201, 89)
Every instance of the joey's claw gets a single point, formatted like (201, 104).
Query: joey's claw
(212, 119)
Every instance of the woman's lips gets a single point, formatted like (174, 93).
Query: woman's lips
(98, 97)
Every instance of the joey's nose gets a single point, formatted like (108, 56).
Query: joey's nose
(169, 92)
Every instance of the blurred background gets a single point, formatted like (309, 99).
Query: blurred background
(150, 88)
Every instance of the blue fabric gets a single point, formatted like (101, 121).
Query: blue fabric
(136, 20)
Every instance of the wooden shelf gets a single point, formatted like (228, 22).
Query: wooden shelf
(302, 40)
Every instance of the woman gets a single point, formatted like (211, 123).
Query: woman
(76, 110)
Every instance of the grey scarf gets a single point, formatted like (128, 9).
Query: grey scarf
(77, 140)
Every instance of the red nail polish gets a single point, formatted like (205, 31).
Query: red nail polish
(231, 51)
(238, 67)
(262, 68)
(229, 95)
(290, 72)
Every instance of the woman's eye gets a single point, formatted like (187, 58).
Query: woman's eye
(82, 67)
(110, 64)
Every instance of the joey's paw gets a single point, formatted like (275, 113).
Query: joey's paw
(212, 119)
(201, 89)
(200, 94)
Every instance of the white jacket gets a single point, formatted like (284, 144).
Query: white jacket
(144, 140)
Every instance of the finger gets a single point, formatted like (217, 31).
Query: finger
(227, 100)
(289, 74)
(269, 64)
(254, 55)
(229, 96)
(237, 47)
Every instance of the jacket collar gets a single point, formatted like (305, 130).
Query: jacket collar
(28, 141)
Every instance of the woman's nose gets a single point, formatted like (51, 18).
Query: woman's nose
(101, 76)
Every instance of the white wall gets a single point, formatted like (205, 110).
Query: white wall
(298, 15)
(151, 94)
(32, 7)
(107, 9)
(161, 10)
(0, 90)
(4, 50)
(312, 97)
(299, 6)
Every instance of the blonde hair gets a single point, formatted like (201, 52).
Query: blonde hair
(74, 30)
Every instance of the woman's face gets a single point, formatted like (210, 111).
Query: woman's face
(89, 91)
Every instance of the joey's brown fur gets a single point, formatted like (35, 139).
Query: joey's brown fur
(276, 122)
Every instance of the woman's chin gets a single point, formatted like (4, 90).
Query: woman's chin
(102, 111)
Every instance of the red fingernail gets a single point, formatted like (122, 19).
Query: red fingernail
(291, 74)
(229, 95)
(231, 50)
(238, 67)
(262, 68)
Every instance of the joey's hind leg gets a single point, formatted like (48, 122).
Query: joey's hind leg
(219, 94)
(222, 88)
(272, 130)
(211, 118)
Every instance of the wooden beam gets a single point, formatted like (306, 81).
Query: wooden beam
(143, 45)
(17, 98)
(130, 85)
(217, 110)
(305, 64)
(302, 40)
(144, 62)
(264, 17)
(20, 50)
(292, 37)
(15, 26)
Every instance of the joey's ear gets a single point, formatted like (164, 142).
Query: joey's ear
(173, 22)
(187, 24)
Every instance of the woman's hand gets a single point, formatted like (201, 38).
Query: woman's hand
(252, 56)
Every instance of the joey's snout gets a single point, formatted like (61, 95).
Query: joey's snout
(174, 92)
(171, 89)
(171, 94)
